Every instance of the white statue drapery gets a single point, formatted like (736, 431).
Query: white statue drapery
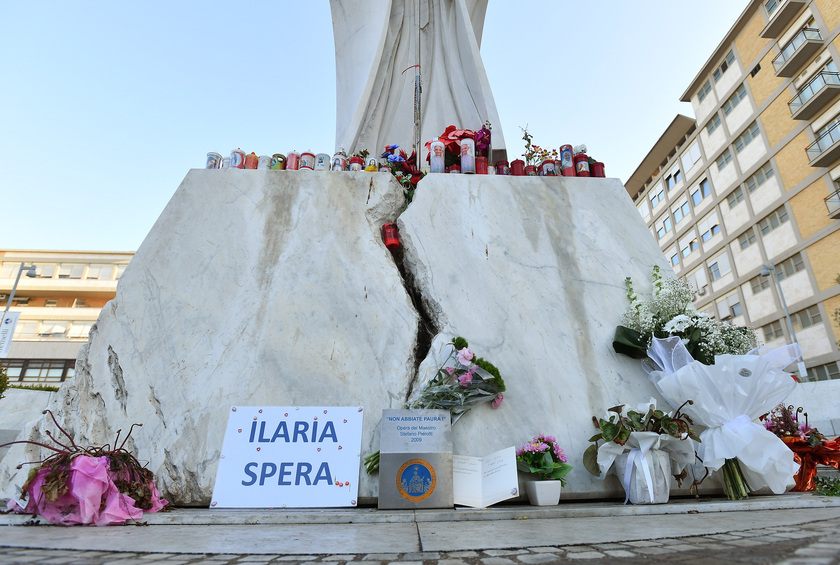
(376, 40)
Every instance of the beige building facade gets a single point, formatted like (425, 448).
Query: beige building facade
(748, 193)
(57, 308)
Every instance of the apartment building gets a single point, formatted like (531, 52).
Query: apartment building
(744, 200)
(57, 308)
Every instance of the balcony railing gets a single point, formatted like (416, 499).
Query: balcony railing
(782, 17)
(798, 50)
(826, 149)
(815, 95)
(832, 202)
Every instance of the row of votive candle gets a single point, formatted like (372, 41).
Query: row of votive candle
(293, 161)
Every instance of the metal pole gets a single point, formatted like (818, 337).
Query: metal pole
(801, 364)
(417, 90)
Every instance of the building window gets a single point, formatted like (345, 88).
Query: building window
(729, 306)
(824, 372)
(772, 331)
(675, 259)
(644, 208)
(759, 283)
(709, 226)
(71, 271)
(774, 220)
(719, 267)
(713, 124)
(760, 176)
(704, 90)
(78, 303)
(724, 159)
(657, 198)
(771, 5)
(100, 272)
(790, 266)
(806, 318)
(735, 99)
(664, 227)
(45, 271)
(670, 182)
(691, 156)
(688, 244)
(703, 190)
(749, 134)
(80, 329)
(747, 238)
(681, 211)
(735, 197)
(50, 303)
(724, 66)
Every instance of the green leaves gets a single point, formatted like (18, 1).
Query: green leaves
(590, 459)
(629, 342)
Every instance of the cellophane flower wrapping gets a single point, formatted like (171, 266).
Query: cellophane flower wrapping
(728, 396)
(91, 496)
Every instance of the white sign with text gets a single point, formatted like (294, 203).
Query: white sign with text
(289, 457)
(7, 331)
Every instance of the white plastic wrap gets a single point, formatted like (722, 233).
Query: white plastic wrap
(640, 462)
(727, 397)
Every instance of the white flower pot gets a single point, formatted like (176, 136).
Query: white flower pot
(543, 493)
(658, 463)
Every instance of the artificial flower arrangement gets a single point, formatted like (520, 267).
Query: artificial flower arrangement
(644, 447)
(542, 456)
(94, 485)
(404, 168)
(670, 312)
(451, 138)
(462, 382)
(809, 446)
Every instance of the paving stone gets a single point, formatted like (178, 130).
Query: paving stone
(545, 549)
(609, 546)
(682, 547)
(745, 542)
(296, 557)
(619, 553)
(422, 556)
(669, 541)
(451, 562)
(381, 557)
(795, 535)
(641, 543)
(406, 562)
(578, 548)
(586, 555)
(500, 552)
(536, 558)
(811, 552)
(497, 561)
(462, 554)
(723, 537)
(653, 550)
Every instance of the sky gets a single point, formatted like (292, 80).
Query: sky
(106, 105)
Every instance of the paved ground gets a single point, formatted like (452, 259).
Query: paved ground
(789, 529)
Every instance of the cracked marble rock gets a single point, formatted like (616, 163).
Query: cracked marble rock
(274, 288)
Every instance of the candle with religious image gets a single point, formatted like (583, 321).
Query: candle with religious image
(436, 158)
(293, 161)
(468, 156)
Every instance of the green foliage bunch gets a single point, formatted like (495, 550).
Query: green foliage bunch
(618, 426)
